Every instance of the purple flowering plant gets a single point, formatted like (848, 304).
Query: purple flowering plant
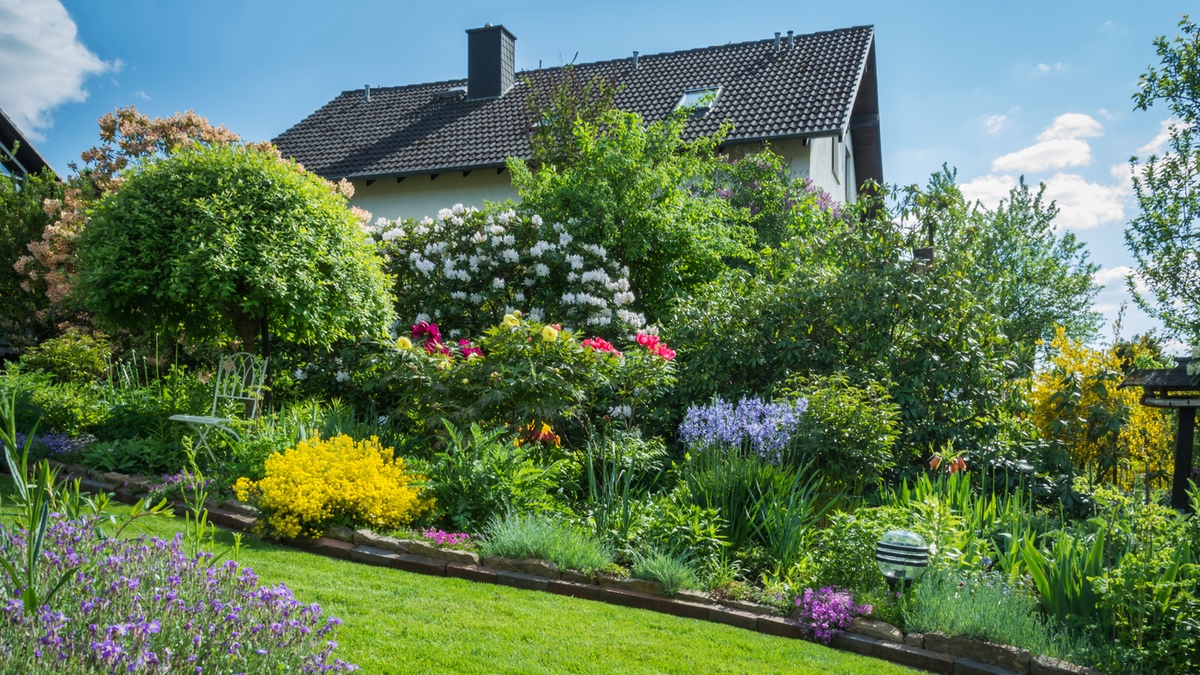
(826, 613)
(145, 606)
(442, 538)
(763, 428)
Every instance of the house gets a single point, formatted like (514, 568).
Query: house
(25, 160)
(411, 150)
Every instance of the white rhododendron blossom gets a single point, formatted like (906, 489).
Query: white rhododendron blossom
(492, 260)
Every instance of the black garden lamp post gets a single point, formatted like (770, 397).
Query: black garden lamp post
(902, 556)
(1173, 388)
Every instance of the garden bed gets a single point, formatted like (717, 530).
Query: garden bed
(930, 652)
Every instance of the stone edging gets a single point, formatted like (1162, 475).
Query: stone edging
(930, 652)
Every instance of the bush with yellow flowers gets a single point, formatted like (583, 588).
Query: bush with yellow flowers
(1110, 435)
(336, 481)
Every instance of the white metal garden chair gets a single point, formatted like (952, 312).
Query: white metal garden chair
(239, 378)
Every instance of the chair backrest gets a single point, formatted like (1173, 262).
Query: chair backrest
(240, 378)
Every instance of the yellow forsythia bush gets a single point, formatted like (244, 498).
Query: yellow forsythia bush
(323, 482)
(1077, 387)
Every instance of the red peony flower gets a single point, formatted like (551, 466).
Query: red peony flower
(600, 345)
(648, 341)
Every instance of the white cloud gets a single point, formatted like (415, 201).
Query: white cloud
(42, 62)
(1109, 275)
(988, 190)
(994, 123)
(1070, 126)
(1159, 142)
(1060, 145)
(1044, 68)
(1084, 205)
(1054, 154)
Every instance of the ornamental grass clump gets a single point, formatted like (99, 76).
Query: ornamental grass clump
(530, 536)
(144, 606)
(672, 573)
(338, 481)
(826, 613)
(986, 607)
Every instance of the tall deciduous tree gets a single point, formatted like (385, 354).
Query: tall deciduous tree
(219, 239)
(1026, 272)
(128, 140)
(1165, 236)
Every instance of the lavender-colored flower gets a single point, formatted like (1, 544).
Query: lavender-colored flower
(763, 428)
(144, 606)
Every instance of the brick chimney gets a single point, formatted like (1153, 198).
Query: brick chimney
(491, 61)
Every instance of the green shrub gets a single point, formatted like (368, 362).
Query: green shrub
(73, 356)
(843, 553)
(985, 607)
(678, 526)
(532, 536)
(848, 430)
(482, 474)
(671, 572)
(145, 456)
(69, 407)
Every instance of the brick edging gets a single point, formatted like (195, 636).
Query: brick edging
(233, 515)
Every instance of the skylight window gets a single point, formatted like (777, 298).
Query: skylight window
(699, 100)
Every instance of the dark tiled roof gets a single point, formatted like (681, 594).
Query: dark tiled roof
(810, 90)
(27, 160)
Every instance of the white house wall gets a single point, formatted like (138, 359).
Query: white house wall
(418, 196)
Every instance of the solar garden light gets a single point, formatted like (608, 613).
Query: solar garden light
(902, 556)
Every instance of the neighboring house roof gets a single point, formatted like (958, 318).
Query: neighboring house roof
(27, 160)
(823, 86)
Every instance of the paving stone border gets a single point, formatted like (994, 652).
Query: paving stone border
(931, 652)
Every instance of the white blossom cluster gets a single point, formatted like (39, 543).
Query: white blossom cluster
(468, 266)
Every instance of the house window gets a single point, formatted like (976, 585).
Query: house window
(699, 100)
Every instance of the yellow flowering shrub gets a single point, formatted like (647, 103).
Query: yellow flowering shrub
(1107, 430)
(336, 481)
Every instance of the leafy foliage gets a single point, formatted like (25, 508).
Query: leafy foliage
(482, 474)
(847, 299)
(1163, 236)
(847, 430)
(627, 189)
(74, 356)
(217, 240)
(1019, 267)
(22, 219)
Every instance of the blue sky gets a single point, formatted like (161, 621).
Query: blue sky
(998, 90)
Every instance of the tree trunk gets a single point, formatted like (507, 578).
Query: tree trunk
(268, 399)
(245, 326)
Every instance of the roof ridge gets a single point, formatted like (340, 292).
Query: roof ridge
(642, 57)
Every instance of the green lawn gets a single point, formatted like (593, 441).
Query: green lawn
(398, 622)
